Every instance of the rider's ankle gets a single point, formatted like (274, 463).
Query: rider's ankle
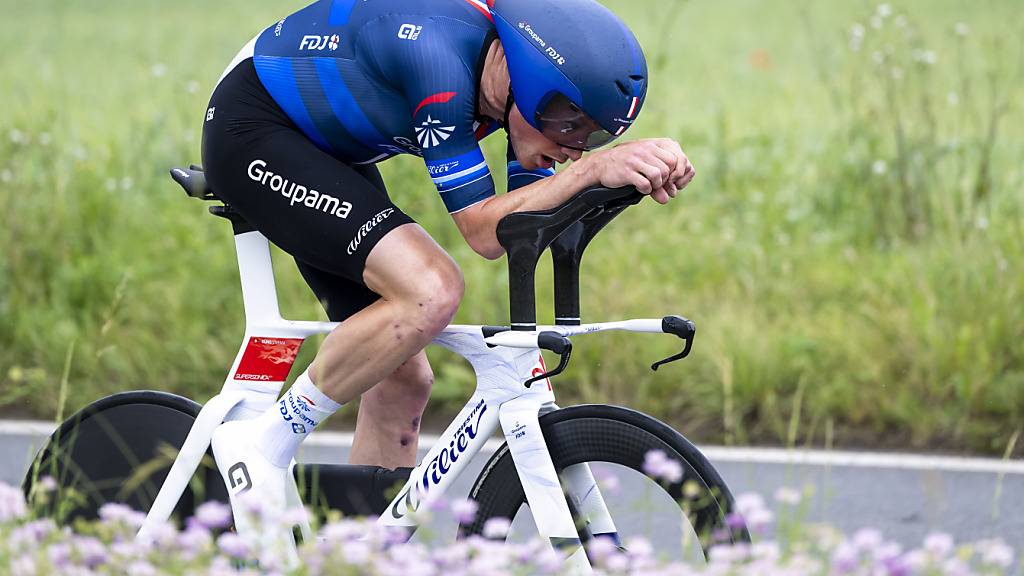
(286, 424)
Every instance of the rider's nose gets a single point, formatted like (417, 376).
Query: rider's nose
(574, 154)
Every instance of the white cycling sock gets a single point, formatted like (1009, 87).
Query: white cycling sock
(283, 427)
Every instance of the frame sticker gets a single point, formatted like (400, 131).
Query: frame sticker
(268, 359)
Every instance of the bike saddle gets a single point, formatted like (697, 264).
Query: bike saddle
(193, 180)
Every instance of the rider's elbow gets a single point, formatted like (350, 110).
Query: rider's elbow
(487, 247)
(479, 228)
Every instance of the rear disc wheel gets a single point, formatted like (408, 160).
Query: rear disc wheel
(118, 449)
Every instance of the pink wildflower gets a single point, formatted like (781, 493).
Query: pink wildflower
(496, 528)
(213, 515)
(12, 503)
(464, 510)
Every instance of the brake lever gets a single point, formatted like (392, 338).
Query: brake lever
(682, 328)
(553, 342)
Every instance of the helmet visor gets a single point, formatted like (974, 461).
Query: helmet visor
(563, 122)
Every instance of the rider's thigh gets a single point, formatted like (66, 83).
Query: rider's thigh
(408, 266)
(340, 296)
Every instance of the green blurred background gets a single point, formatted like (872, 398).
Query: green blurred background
(851, 249)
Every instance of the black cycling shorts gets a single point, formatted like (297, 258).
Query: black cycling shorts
(327, 214)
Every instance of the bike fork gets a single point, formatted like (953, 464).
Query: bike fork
(549, 508)
(583, 491)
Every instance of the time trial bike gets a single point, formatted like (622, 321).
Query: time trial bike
(147, 448)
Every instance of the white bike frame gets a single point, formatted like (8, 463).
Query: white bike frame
(502, 362)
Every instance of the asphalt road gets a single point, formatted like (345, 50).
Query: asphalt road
(905, 496)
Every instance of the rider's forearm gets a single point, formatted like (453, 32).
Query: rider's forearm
(547, 192)
(481, 229)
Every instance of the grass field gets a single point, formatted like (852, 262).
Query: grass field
(851, 250)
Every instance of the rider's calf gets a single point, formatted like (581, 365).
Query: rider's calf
(389, 416)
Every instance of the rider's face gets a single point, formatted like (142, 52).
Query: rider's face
(533, 149)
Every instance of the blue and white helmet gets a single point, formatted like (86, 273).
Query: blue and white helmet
(578, 73)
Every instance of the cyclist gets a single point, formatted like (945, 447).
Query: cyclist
(291, 137)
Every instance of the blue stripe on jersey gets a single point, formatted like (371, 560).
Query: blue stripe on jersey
(468, 194)
(278, 78)
(456, 179)
(344, 104)
(516, 169)
(340, 12)
(463, 180)
(319, 109)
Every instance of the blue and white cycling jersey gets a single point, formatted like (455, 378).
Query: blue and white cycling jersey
(366, 80)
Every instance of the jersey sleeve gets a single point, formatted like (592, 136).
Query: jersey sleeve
(519, 176)
(440, 88)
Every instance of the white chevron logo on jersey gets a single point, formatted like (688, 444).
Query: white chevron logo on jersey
(430, 133)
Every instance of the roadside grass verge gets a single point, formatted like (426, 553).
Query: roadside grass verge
(850, 250)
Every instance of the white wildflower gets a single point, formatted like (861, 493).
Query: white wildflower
(961, 29)
(464, 510)
(766, 551)
(788, 496)
(867, 539)
(602, 548)
(639, 547)
(12, 503)
(927, 57)
(939, 544)
(496, 528)
(23, 566)
(996, 553)
(884, 10)
(879, 167)
(158, 70)
(609, 484)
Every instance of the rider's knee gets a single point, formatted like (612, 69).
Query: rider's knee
(436, 298)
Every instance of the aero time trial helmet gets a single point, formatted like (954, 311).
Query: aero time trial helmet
(578, 74)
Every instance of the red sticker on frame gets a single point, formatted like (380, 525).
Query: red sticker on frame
(268, 359)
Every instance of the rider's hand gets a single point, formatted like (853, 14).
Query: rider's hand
(657, 167)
